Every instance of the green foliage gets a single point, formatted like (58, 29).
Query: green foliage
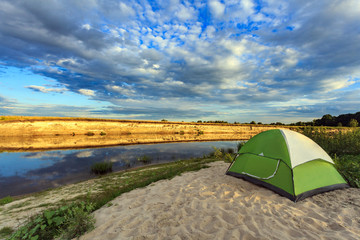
(145, 159)
(66, 222)
(90, 134)
(337, 142)
(349, 167)
(103, 133)
(344, 147)
(353, 123)
(329, 120)
(6, 200)
(101, 167)
(221, 155)
(5, 232)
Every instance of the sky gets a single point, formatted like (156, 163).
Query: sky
(245, 60)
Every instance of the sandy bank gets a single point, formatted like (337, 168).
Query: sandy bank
(210, 205)
(30, 134)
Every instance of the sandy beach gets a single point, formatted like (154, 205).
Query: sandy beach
(211, 205)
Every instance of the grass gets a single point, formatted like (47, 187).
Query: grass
(337, 142)
(6, 232)
(343, 147)
(66, 222)
(58, 223)
(101, 167)
(6, 200)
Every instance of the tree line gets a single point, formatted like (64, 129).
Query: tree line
(348, 120)
(343, 120)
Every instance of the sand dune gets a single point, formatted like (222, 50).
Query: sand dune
(210, 205)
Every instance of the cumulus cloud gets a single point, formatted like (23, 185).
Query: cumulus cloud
(213, 53)
(216, 8)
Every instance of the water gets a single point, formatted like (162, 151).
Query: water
(28, 172)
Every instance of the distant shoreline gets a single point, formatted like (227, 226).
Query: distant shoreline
(44, 133)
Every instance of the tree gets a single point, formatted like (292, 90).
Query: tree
(353, 123)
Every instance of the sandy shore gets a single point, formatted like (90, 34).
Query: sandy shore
(210, 205)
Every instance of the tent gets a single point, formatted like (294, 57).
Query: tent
(288, 163)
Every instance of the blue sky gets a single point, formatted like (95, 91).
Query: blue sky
(245, 60)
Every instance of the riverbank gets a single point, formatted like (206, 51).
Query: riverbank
(202, 205)
(99, 190)
(41, 133)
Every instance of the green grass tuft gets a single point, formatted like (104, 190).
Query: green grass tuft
(66, 222)
(6, 232)
(101, 167)
(6, 200)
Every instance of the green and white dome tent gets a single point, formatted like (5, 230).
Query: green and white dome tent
(288, 163)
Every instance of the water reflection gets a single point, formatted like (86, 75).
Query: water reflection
(26, 172)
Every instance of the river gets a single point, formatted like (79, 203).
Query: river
(33, 171)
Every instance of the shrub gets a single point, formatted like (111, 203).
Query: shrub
(353, 123)
(90, 134)
(66, 222)
(103, 133)
(221, 155)
(101, 167)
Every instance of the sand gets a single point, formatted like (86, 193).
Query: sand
(62, 133)
(210, 205)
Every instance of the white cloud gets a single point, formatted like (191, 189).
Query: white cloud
(217, 9)
(86, 26)
(186, 13)
(86, 92)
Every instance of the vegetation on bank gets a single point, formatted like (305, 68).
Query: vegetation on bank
(101, 167)
(343, 147)
(72, 218)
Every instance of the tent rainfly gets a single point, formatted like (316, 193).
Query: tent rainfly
(288, 163)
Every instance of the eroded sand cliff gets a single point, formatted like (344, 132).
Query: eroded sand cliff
(30, 134)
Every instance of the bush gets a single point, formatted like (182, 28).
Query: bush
(101, 167)
(66, 222)
(221, 155)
